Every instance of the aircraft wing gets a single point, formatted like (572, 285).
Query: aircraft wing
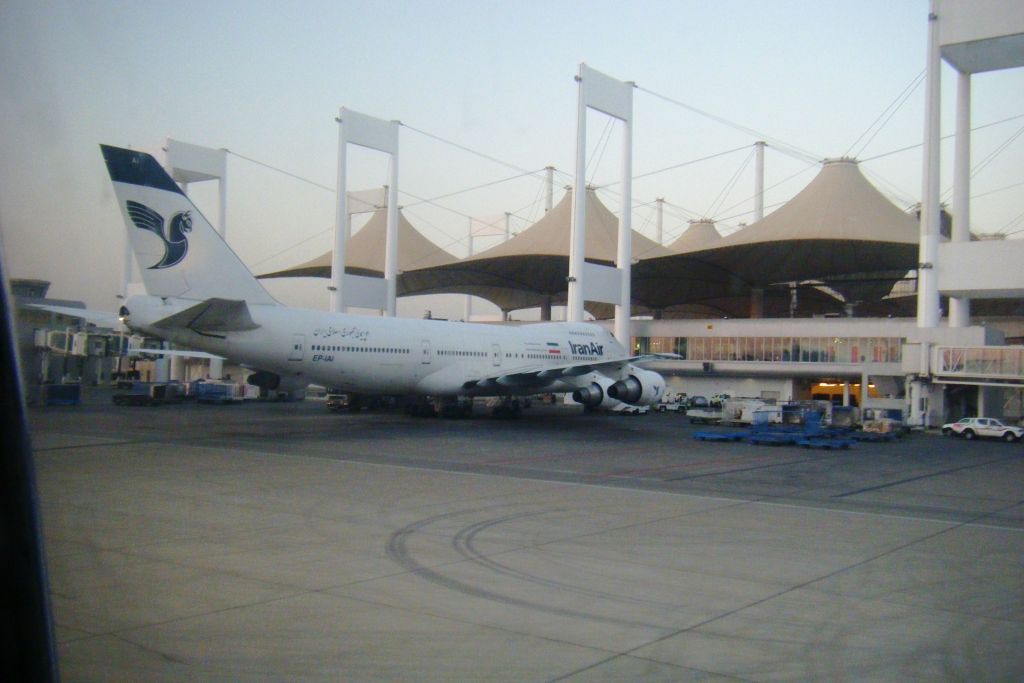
(212, 315)
(100, 318)
(542, 377)
(173, 352)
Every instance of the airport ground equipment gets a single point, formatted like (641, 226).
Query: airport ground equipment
(831, 443)
(705, 416)
(873, 437)
(749, 411)
(672, 404)
(974, 427)
(62, 394)
(150, 394)
(219, 392)
(765, 433)
(733, 436)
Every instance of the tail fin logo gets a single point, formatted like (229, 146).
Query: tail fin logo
(175, 240)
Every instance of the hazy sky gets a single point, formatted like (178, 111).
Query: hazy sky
(266, 79)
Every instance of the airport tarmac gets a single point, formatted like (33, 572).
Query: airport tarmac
(276, 542)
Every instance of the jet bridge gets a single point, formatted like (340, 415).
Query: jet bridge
(995, 366)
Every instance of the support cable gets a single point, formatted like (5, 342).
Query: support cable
(980, 166)
(724, 192)
(474, 152)
(944, 137)
(770, 187)
(878, 124)
(282, 171)
(1008, 228)
(793, 149)
(602, 143)
(688, 163)
(468, 189)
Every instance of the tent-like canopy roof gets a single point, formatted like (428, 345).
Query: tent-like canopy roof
(364, 254)
(699, 235)
(530, 269)
(839, 225)
(839, 230)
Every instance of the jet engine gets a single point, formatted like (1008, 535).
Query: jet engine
(641, 388)
(269, 381)
(595, 394)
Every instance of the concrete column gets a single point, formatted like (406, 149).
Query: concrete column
(216, 368)
(960, 309)
(927, 288)
(757, 302)
(578, 226)
(846, 392)
(391, 243)
(162, 366)
(624, 258)
(341, 219)
(178, 368)
(916, 418)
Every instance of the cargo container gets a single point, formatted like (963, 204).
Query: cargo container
(218, 392)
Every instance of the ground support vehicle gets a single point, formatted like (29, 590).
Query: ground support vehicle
(704, 416)
(671, 404)
(750, 411)
(150, 394)
(626, 409)
(984, 427)
(337, 402)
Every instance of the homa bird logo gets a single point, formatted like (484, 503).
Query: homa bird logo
(175, 241)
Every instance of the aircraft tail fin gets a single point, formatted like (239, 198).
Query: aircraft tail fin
(179, 253)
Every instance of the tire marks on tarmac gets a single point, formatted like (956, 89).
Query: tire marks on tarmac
(464, 542)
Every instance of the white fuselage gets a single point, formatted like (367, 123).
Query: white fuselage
(376, 355)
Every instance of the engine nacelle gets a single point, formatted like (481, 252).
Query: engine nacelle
(595, 394)
(269, 381)
(641, 388)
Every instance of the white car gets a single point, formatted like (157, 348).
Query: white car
(973, 427)
(627, 409)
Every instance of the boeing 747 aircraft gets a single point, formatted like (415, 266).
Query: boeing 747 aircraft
(201, 296)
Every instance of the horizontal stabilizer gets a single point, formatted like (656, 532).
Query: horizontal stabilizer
(212, 315)
(102, 318)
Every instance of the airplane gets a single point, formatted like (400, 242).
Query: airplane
(199, 295)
